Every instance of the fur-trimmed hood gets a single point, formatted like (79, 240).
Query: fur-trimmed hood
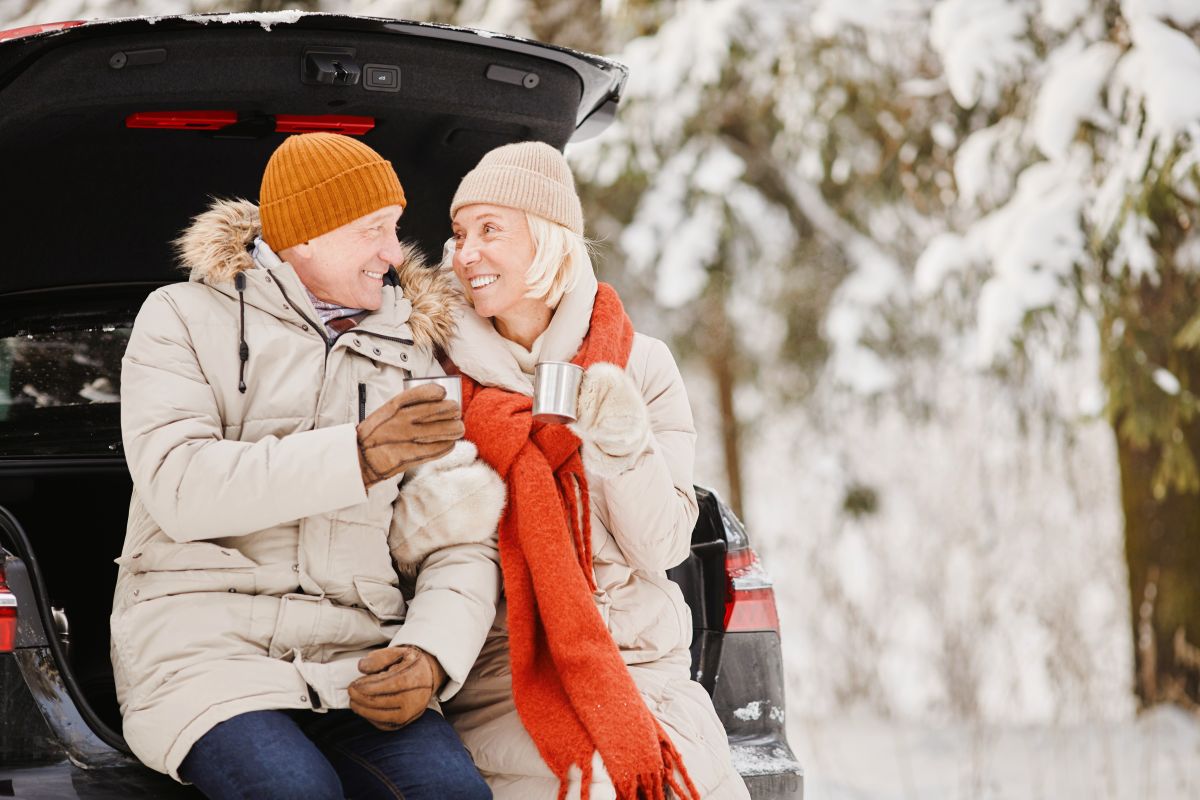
(218, 243)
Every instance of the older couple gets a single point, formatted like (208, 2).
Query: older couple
(331, 583)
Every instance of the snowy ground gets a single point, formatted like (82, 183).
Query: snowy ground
(1155, 757)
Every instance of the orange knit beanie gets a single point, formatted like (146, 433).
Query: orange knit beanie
(315, 182)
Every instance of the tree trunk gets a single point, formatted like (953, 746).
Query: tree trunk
(720, 353)
(1162, 550)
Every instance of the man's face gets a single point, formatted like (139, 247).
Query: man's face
(347, 265)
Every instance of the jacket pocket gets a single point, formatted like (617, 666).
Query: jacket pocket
(168, 568)
(381, 599)
(648, 616)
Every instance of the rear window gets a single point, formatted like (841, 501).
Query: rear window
(60, 368)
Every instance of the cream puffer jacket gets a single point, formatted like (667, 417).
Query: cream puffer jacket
(257, 569)
(642, 520)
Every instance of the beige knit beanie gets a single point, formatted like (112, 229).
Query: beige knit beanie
(530, 176)
(315, 182)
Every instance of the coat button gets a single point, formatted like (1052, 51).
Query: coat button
(295, 567)
(377, 351)
(357, 342)
(303, 327)
(404, 356)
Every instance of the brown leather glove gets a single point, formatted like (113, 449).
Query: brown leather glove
(396, 687)
(415, 426)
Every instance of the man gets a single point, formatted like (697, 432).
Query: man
(261, 642)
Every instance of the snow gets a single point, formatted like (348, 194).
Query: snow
(1181, 12)
(1070, 95)
(946, 254)
(857, 757)
(1166, 381)
(880, 15)
(673, 67)
(1033, 243)
(760, 760)
(1161, 70)
(1133, 251)
(750, 711)
(1061, 15)
(267, 19)
(751, 576)
(986, 162)
(982, 46)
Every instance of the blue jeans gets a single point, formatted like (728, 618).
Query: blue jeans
(302, 755)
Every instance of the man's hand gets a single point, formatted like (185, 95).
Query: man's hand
(415, 426)
(396, 687)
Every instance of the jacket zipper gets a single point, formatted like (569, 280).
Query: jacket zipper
(318, 329)
(362, 402)
(370, 332)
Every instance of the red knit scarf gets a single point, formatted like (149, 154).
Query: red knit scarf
(573, 692)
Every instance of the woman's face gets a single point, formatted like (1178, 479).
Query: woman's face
(492, 253)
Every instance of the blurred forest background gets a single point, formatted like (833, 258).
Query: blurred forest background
(931, 269)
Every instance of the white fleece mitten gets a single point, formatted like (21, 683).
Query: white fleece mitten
(456, 499)
(611, 419)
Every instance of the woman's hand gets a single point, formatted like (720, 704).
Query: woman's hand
(611, 419)
(456, 499)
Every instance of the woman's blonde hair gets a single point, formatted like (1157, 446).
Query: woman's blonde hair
(559, 257)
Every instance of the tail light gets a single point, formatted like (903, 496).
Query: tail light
(182, 120)
(8, 615)
(216, 120)
(750, 599)
(333, 123)
(30, 30)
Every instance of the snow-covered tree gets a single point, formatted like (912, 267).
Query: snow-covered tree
(1077, 200)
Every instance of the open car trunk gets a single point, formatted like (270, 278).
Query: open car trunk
(93, 201)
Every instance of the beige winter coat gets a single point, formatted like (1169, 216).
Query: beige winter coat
(256, 569)
(642, 520)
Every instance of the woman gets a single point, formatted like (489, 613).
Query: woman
(583, 684)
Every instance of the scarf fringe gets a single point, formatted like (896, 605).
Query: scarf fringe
(672, 764)
(647, 785)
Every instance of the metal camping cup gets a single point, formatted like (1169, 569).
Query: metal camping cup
(555, 391)
(451, 383)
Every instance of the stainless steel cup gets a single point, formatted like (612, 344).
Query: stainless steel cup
(555, 391)
(451, 383)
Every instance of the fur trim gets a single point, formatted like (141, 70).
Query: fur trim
(611, 420)
(434, 295)
(215, 247)
(455, 499)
